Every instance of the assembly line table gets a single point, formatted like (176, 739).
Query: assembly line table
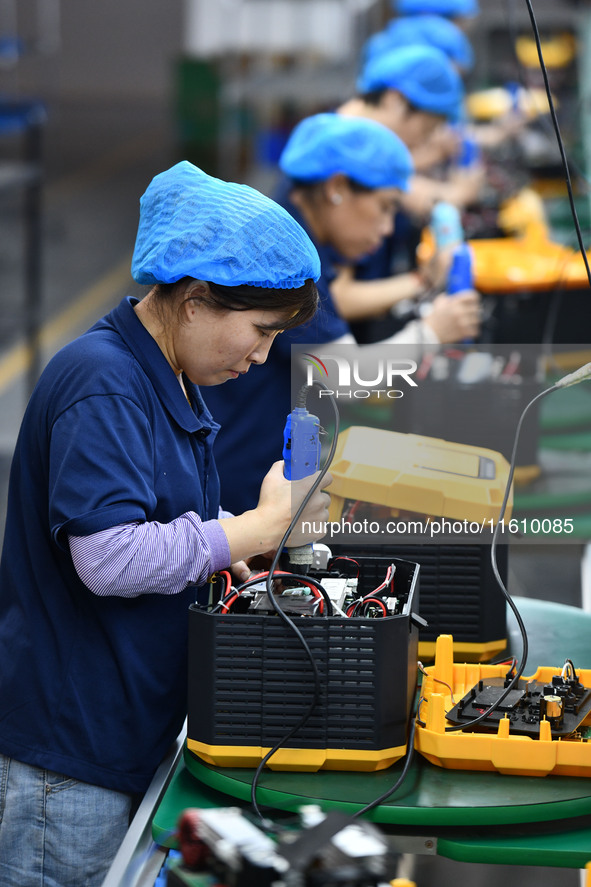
(467, 816)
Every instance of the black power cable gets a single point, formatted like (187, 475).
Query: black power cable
(571, 379)
(285, 618)
(558, 138)
(497, 575)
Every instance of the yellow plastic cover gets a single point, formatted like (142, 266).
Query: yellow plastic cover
(425, 475)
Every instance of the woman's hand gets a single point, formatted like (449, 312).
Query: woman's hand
(455, 318)
(262, 529)
(280, 499)
(240, 571)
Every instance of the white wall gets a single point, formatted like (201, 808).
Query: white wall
(268, 26)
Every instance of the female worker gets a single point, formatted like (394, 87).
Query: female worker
(113, 520)
(347, 175)
(415, 91)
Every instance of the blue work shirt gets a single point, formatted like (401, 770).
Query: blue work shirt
(95, 687)
(252, 409)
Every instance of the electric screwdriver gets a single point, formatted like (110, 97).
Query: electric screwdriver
(461, 273)
(301, 455)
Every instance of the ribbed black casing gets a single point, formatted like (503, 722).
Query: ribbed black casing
(459, 593)
(250, 680)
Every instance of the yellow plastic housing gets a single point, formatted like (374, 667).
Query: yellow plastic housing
(471, 651)
(427, 476)
(558, 51)
(307, 759)
(525, 261)
(515, 264)
(501, 751)
(490, 104)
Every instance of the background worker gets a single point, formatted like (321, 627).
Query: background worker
(413, 25)
(414, 91)
(443, 149)
(417, 92)
(347, 175)
(114, 522)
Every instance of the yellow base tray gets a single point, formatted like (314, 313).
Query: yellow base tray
(470, 651)
(307, 759)
(501, 751)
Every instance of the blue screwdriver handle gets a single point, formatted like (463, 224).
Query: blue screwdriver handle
(301, 457)
(461, 274)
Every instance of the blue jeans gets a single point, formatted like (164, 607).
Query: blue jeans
(56, 831)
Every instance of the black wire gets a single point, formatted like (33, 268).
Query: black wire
(558, 138)
(285, 618)
(570, 662)
(497, 575)
(409, 757)
(553, 312)
(555, 304)
(522, 80)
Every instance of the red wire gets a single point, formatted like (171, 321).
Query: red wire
(386, 581)
(372, 600)
(228, 578)
(280, 574)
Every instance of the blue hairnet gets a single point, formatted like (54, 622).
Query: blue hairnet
(422, 74)
(448, 8)
(361, 149)
(431, 30)
(194, 225)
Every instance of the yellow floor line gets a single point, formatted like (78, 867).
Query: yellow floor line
(88, 306)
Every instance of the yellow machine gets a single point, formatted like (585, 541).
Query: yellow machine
(418, 475)
(454, 492)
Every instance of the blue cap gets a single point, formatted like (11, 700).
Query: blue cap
(448, 8)
(365, 151)
(430, 30)
(194, 225)
(424, 75)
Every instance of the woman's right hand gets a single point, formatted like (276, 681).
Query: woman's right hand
(455, 318)
(280, 498)
(261, 530)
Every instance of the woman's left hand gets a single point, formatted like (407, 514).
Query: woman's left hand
(240, 571)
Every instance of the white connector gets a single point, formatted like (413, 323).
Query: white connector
(579, 375)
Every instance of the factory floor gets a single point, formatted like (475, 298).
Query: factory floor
(98, 160)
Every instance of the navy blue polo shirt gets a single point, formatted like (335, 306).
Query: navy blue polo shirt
(95, 687)
(252, 409)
